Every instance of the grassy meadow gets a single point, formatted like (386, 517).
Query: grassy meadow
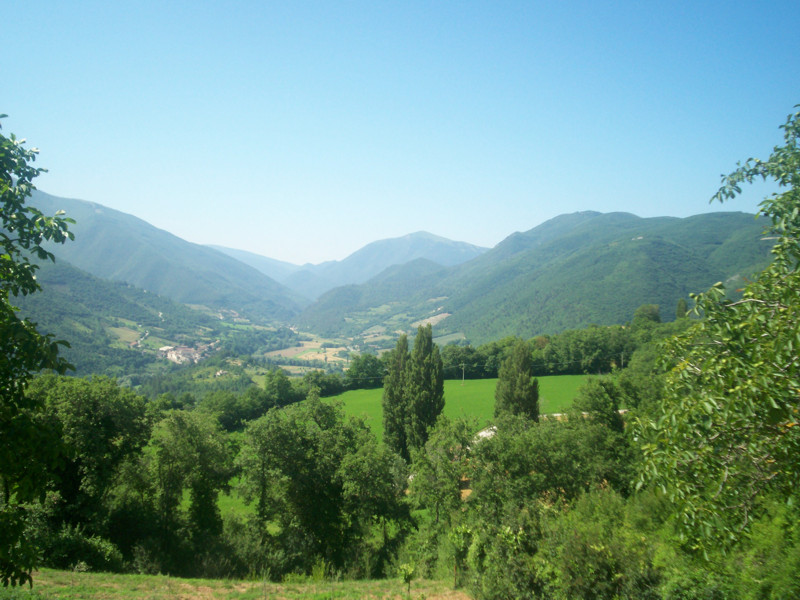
(473, 398)
(50, 584)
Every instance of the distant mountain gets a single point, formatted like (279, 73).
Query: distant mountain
(569, 272)
(312, 281)
(276, 269)
(120, 247)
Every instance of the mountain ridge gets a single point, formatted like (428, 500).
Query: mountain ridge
(569, 272)
(358, 267)
(120, 247)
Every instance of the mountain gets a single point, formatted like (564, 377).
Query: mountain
(275, 269)
(120, 247)
(312, 281)
(569, 272)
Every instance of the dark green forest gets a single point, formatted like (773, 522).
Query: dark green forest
(673, 476)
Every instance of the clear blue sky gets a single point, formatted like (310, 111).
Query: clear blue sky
(304, 130)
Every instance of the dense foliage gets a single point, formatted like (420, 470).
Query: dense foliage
(24, 445)
(517, 390)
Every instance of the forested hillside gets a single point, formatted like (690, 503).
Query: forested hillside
(120, 247)
(569, 272)
(116, 329)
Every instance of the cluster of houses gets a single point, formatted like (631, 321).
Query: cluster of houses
(186, 354)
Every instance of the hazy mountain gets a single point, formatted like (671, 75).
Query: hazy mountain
(312, 281)
(120, 247)
(569, 272)
(377, 256)
(276, 269)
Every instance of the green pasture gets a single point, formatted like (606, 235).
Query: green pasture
(49, 584)
(474, 398)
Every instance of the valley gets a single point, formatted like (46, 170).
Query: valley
(399, 422)
(573, 271)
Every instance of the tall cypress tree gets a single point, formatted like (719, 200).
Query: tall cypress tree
(395, 402)
(424, 388)
(517, 390)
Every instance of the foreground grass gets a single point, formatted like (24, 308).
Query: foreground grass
(473, 398)
(69, 585)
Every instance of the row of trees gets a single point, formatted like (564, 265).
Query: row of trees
(593, 350)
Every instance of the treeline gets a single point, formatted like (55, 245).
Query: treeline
(594, 350)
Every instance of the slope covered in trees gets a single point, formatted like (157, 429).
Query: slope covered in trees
(116, 329)
(117, 246)
(570, 272)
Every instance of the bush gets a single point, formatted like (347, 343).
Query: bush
(71, 546)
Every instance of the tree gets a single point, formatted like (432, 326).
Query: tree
(413, 392)
(187, 451)
(366, 371)
(279, 388)
(681, 309)
(646, 315)
(23, 351)
(100, 425)
(517, 390)
(424, 388)
(729, 430)
(394, 398)
(440, 465)
(319, 478)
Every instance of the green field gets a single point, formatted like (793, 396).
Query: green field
(49, 584)
(474, 398)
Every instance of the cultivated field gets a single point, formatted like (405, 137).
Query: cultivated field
(474, 399)
(311, 350)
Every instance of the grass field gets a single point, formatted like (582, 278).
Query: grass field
(475, 399)
(69, 585)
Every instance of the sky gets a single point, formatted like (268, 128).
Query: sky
(302, 131)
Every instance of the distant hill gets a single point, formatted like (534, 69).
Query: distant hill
(120, 247)
(312, 281)
(275, 269)
(572, 271)
(112, 327)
